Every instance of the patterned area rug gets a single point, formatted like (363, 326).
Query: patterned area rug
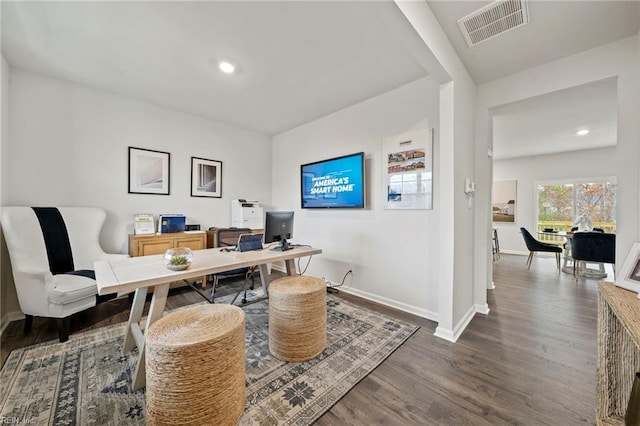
(87, 380)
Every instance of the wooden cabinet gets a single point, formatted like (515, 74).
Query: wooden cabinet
(618, 351)
(146, 245)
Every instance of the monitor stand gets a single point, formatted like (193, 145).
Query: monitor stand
(284, 245)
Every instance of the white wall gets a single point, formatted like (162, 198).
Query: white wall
(595, 163)
(462, 288)
(618, 60)
(69, 146)
(7, 294)
(4, 141)
(395, 253)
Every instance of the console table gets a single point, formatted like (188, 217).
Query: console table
(144, 272)
(618, 351)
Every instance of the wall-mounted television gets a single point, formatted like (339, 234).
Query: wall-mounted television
(333, 183)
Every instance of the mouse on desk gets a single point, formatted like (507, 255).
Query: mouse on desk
(228, 249)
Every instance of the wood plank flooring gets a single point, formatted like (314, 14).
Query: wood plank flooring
(531, 361)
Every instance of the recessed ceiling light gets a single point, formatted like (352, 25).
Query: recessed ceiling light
(226, 67)
(582, 132)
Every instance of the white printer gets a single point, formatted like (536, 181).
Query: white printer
(246, 214)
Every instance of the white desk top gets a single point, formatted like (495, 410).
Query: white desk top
(126, 275)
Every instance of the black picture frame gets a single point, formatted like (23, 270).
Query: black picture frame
(149, 171)
(206, 178)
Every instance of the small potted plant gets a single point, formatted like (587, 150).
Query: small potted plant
(178, 259)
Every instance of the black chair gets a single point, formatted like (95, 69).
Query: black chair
(593, 247)
(228, 237)
(575, 228)
(534, 245)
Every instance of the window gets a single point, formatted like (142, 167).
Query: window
(560, 203)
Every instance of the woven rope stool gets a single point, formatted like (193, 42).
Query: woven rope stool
(297, 318)
(195, 364)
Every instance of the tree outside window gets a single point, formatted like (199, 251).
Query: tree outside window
(560, 204)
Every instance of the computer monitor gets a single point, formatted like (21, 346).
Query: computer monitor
(278, 227)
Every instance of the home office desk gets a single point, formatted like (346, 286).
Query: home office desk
(139, 273)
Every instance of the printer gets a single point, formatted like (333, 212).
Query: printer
(246, 214)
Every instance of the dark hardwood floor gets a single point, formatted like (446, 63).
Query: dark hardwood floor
(531, 361)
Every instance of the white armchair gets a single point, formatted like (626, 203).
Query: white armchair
(52, 252)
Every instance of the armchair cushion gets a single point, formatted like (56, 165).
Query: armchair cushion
(68, 288)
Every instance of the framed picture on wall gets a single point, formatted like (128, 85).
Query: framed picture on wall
(407, 170)
(148, 171)
(629, 276)
(206, 178)
(504, 196)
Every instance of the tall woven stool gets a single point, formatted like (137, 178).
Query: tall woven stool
(195, 363)
(297, 318)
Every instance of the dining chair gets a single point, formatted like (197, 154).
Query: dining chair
(594, 247)
(534, 245)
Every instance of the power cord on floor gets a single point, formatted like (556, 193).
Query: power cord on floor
(331, 289)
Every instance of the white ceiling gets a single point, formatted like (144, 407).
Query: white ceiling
(556, 29)
(298, 61)
(548, 124)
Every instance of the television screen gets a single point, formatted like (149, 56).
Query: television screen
(333, 183)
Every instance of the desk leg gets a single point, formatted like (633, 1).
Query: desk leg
(158, 302)
(291, 266)
(264, 278)
(134, 318)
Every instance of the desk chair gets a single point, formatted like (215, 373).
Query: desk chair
(534, 245)
(228, 237)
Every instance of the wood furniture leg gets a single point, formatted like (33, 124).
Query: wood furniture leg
(134, 318)
(291, 266)
(264, 278)
(135, 335)
(158, 302)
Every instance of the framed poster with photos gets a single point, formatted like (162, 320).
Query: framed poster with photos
(407, 171)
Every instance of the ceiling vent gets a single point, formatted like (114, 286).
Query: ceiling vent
(492, 20)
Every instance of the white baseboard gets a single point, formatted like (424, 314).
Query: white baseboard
(519, 253)
(9, 317)
(482, 309)
(453, 335)
(526, 253)
(424, 313)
